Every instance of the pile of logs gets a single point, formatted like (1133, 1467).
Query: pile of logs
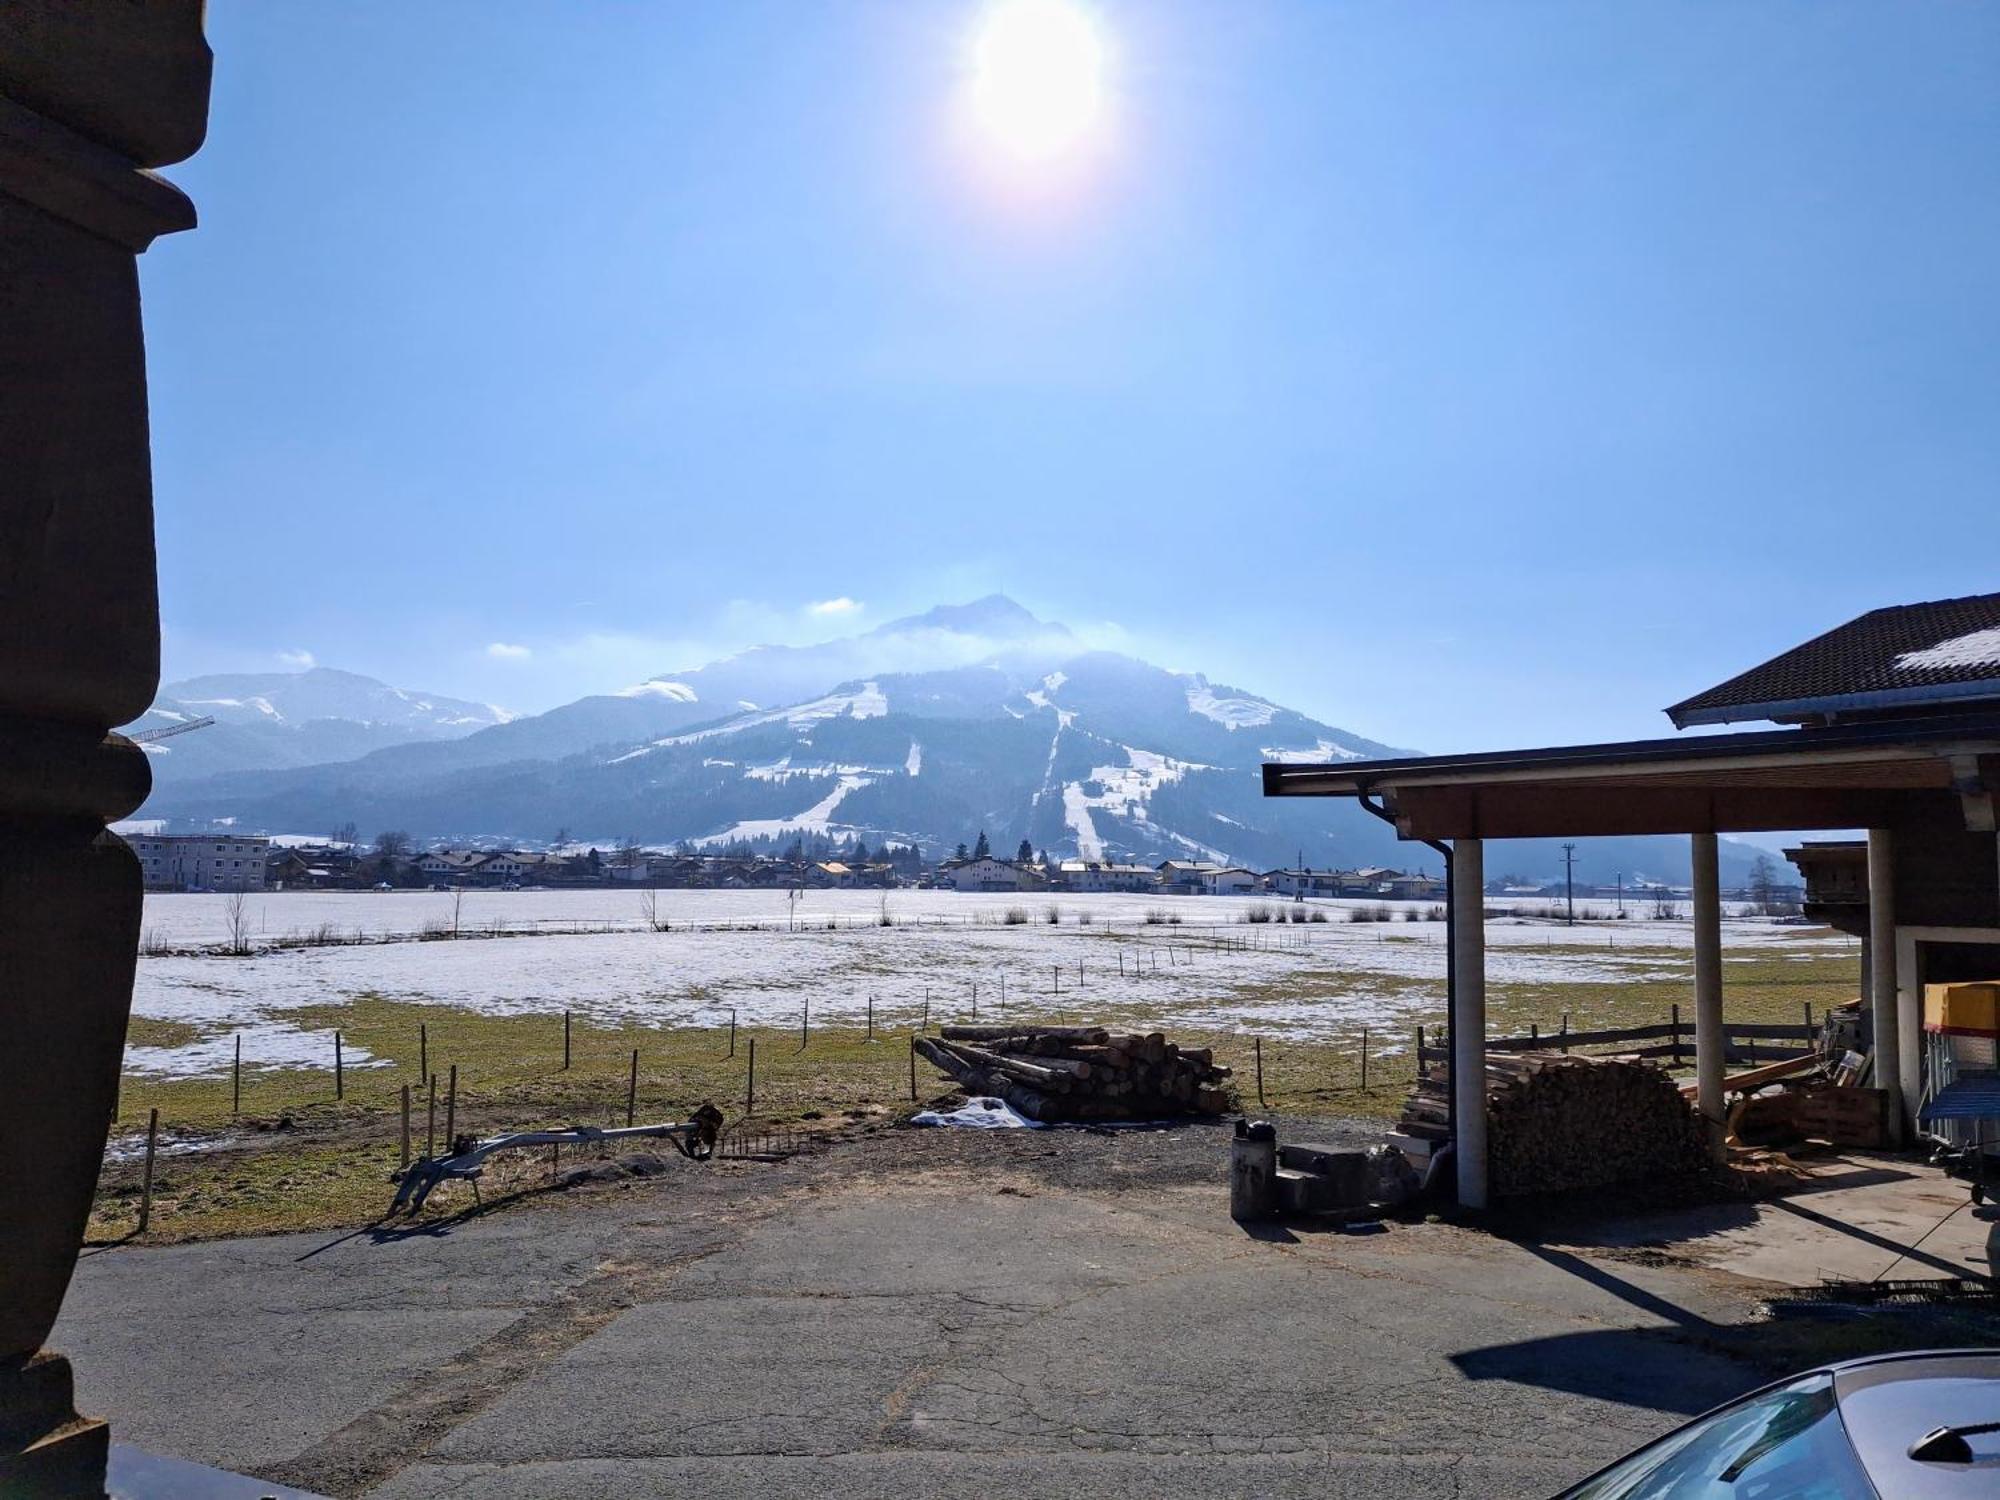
(1053, 1073)
(1557, 1122)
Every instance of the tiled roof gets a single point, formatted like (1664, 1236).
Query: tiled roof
(1906, 656)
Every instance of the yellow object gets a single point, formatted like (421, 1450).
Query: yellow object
(1963, 1009)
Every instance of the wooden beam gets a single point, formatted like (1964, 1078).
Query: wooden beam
(1578, 810)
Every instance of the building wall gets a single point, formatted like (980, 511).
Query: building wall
(186, 862)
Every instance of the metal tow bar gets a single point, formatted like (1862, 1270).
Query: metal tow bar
(694, 1139)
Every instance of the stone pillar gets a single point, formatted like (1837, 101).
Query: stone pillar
(1468, 1020)
(1884, 1024)
(91, 94)
(1709, 1052)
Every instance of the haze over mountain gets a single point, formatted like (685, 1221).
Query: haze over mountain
(926, 730)
(270, 719)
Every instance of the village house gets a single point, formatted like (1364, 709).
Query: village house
(1415, 886)
(990, 875)
(1892, 725)
(202, 862)
(1228, 880)
(449, 864)
(1100, 876)
(1180, 877)
(1304, 882)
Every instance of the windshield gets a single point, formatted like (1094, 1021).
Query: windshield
(1786, 1444)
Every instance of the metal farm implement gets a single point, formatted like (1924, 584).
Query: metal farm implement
(694, 1139)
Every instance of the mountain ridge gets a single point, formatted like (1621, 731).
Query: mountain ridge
(1001, 722)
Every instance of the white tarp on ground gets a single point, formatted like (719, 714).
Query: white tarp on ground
(983, 1113)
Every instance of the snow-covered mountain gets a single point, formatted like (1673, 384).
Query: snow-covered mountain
(928, 730)
(764, 677)
(266, 720)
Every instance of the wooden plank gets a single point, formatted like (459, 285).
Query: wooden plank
(1758, 1077)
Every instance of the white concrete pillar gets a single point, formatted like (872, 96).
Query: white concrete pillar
(1709, 1059)
(1468, 1019)
(1883, 1007)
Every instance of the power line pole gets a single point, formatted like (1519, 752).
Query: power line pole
(1569, 879)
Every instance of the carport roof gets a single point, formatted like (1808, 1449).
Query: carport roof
(1839, 776)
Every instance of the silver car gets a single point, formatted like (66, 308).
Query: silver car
(1922, 1426)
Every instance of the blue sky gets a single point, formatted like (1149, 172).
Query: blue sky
(1465, 375)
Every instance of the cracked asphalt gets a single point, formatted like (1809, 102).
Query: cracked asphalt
(901, 1313)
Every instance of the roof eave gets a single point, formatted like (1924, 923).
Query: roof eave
(1832, 705)
(1856, 742)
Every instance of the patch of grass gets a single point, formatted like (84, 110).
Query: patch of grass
(299, 1158)
(146, 1031)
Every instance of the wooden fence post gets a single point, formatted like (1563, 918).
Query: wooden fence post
(1364, 1059)
(750, 1083)
(732, 1031)
(1677, 1035)
(236, 1081)
(1258, 1043)
(423, 1049)
(431, 1121)
(451, 1111)
(871, 1018)
(1565, 1031)
(339, 1072)
(1420, 1053)
(146, 1182)
(805, 1020)
(632, 1091)
(913, 1070)
(406, 1125)
(565, 1041)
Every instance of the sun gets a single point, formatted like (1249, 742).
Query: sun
(1037, 85)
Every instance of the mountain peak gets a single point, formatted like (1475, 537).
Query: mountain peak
(995, 617)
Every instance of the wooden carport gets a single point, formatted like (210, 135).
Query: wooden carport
(1922, 786)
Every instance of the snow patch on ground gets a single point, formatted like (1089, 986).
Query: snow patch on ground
(866, 702)
(1236, 712)
(814, 819)
(1979, 649)
(732, 949)
(1076, 816)
(1040, 698)
(1123, 792)
(1319, 754)
(678, 692)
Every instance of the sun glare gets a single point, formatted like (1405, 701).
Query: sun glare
(1037, 87)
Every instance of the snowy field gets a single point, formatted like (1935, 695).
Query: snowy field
(752, 952)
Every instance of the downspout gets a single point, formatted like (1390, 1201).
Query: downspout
(1450, 965)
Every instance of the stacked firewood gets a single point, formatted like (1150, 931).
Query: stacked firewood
(1053, 1073)
(1557, 1122)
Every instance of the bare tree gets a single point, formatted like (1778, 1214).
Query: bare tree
(649, 908)
(236, 918)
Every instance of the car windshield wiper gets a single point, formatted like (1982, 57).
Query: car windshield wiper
(1785, 1424)
(1948, 1445)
